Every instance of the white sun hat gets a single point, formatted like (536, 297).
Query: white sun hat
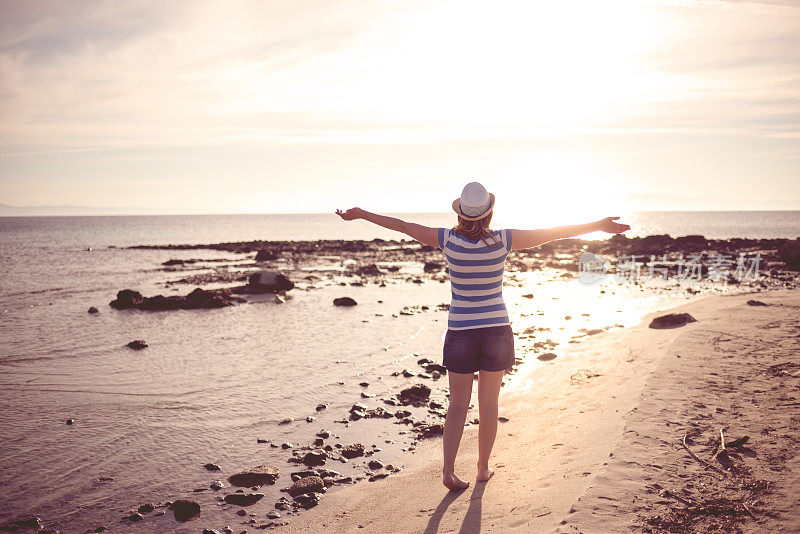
(475, 202)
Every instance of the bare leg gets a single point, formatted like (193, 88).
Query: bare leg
(489, 383)
(460, 394)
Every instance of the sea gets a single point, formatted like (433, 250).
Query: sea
(214, 382)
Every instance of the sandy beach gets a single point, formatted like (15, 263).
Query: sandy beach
(594, 441)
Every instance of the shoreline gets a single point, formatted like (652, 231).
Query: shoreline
(558, 457)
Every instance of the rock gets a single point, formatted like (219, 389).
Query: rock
(314, 458)
(266, 255)
(134, 516)
(70, 421)
(137, 344)
(433, 267)
(546, 357)
(272, 514)
(93, 310)
(323, 434)
(267, 282)
(756, 303)
(427, 431)
(202, 299)
(344, 301)
(127, 298)
(379, 476)
(358, 409)
(309, 419)
(257, 476)
(146, 508)
(321, 407)
(307, 500)
(286, 446)
(418, 393)
(311, 484)
(262, 440)
(375, 464)
(199, 298)
(286, 421)
(210, 531)
(672, 320)
(217, 485)
(185, 509)
(212, 467)
(436, 368)
(503, 419)
(241, 512)
(33, 522)
(176, 262)
(243, 499)
(363, 384)
(353, 451)
(789, 254)
(369, 270)
(283, 504)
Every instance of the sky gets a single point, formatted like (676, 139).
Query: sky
(564, 108)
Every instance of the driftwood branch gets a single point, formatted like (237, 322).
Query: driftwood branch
(700, 460)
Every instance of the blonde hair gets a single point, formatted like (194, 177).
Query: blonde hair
(475, 230)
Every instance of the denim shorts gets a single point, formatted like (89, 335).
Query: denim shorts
(487, 349)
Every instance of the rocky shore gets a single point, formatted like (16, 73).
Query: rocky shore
(761, 263)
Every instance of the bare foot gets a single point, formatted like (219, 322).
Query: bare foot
(484, 474)
(454, 483)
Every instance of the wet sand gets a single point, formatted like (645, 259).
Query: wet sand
(594, 441)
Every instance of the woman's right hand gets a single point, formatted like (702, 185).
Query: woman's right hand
(351, 214)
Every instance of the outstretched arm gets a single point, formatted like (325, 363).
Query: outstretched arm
(521, 239)
(423, 234)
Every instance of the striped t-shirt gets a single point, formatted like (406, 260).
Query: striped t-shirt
(476, 278)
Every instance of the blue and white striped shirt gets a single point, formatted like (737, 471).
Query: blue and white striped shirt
(476, 278)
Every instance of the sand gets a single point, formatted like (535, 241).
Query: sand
(593, 441)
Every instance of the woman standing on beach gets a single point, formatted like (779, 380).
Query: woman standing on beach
(479, 337)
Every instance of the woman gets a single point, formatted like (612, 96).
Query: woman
(479, 337)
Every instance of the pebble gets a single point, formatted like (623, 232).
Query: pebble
(212, 467)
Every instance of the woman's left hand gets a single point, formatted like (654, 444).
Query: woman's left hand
(351, 214)
(610, 225)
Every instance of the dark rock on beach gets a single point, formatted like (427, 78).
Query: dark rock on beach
(314, 458)
(344, 301)
(433, 267)
(353, 451)
(197, 299)
(137, 344)
(307, 500)
(546, 357)
(257, 476)
(266, 282)
(756, 303)
(416, 394)
(369, 270)
(93, 310)
(427, 431)
(309, 484)
(266, 254)
(185, 509)
(243, 499)
(127, 298)
(212, 467)
(672, 320)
